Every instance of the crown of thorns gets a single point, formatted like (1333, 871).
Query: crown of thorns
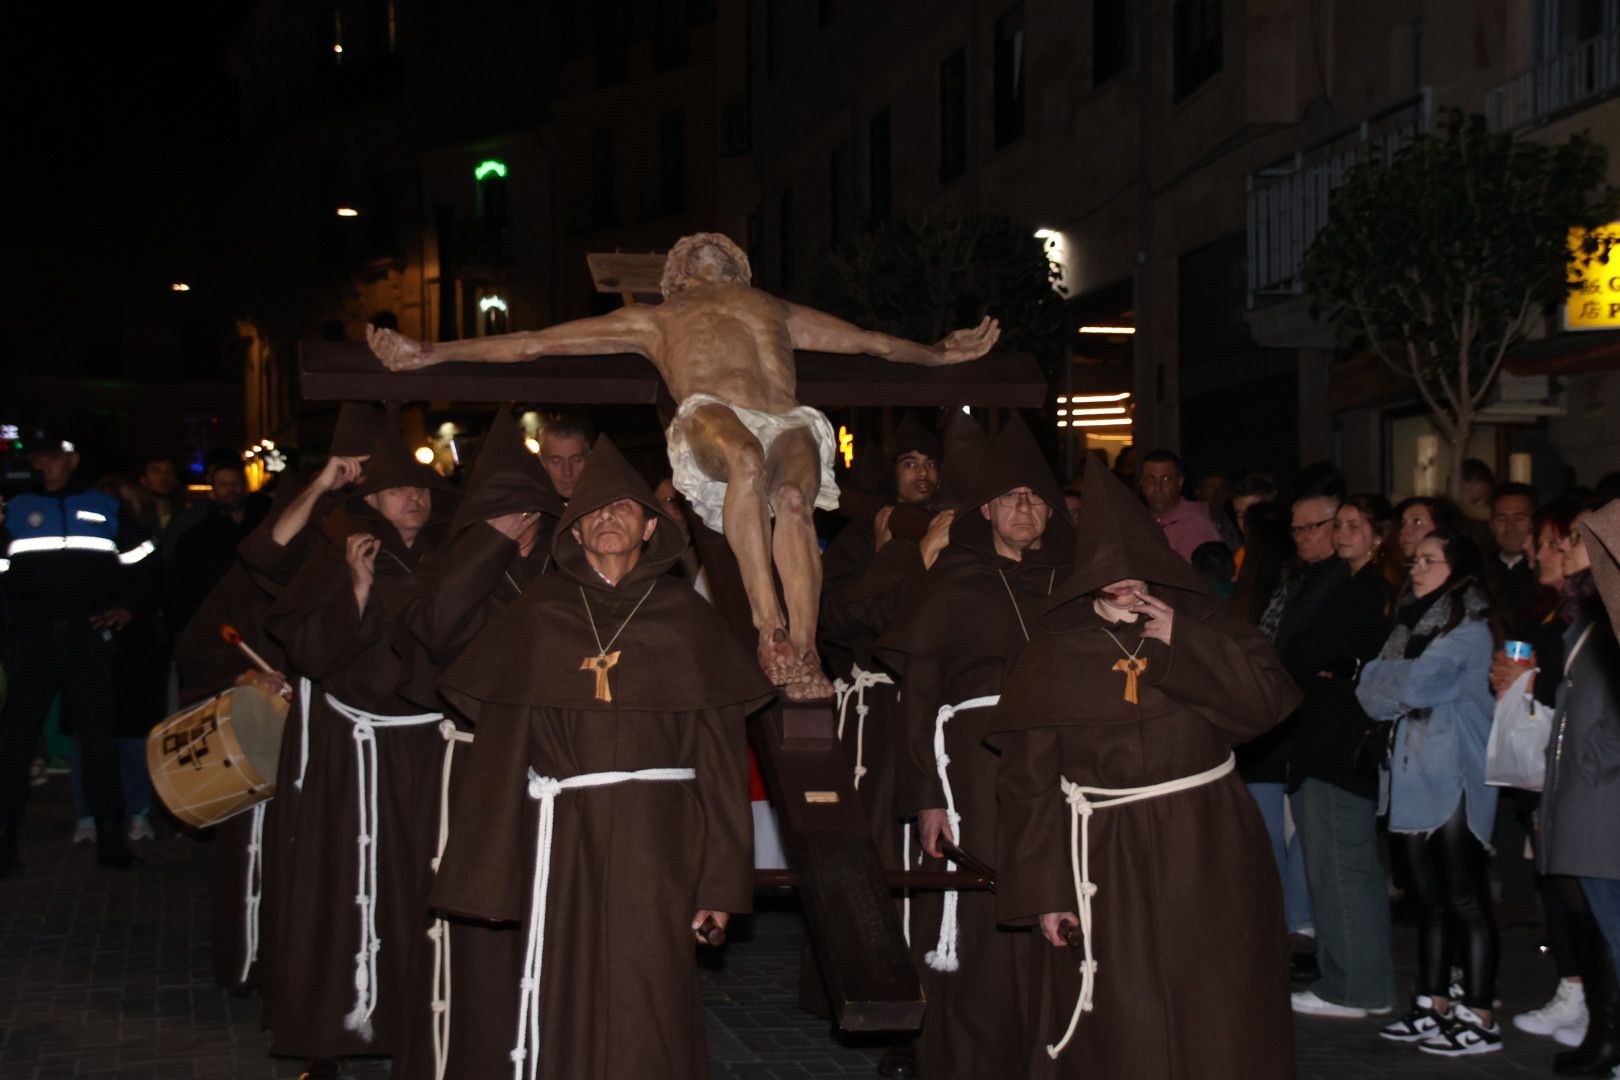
(691, 252)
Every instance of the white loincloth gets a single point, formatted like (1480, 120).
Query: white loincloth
(708, 495)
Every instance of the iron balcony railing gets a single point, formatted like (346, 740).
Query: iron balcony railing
(1288, 199)
(1577, 76)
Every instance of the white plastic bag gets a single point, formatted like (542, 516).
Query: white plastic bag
(1516, 755)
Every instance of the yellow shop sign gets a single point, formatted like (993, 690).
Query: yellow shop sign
(1594, 302)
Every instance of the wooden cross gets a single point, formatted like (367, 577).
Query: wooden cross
(601, 664)
(1132, 666)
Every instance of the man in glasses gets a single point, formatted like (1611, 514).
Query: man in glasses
(1186, 523)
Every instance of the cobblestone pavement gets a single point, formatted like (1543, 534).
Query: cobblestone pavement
(107, 975)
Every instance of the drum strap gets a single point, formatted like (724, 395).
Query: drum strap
(253, 891)
(942, 957)
(544, 790)
(364, 730)
(861, 680)
(439, 932)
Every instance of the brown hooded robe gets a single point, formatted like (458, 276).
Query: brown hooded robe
(631, 863)
(456, 592)
(957, 642)
(351, 656)
(209, 665)
(1603, 542)
(1192, 982)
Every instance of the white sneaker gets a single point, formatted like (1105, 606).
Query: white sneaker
(1566, 1008)
(1571, 1034)
(140, 827)
(1306, 1002)
(1463, 1033)
(84, 831)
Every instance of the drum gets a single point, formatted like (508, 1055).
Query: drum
(218, 758)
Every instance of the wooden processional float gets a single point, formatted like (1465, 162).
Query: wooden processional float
(846, 895)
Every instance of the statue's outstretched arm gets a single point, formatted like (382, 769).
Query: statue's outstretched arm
(818, 331)
(628, 330)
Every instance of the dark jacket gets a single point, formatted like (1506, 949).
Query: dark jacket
(1269, 758)
(1324, 656)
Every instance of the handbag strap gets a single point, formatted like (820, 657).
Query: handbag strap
(1580, 643)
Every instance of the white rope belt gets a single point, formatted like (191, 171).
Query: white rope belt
(367, 837)
(544, 790)
(305, 691)
(861, 681)
(253, 891)
(439, 932)
(942, 957)
(1083, 802)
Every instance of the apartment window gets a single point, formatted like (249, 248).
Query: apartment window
(1563, 24)
(672, 161)
(670, 43)
(1197, 44)
(838, 207)
(784, 224)
(1010, 58)
(612, 43)
(492, 312)
(603, 181)
(491, 192)
(879, 168)
(1110, 39)
(953, 116)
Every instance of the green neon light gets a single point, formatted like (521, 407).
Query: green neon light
(491, 166)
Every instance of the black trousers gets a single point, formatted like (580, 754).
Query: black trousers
(70, 658)
(1450, 883)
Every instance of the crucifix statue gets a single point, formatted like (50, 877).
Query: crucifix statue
(743, 450)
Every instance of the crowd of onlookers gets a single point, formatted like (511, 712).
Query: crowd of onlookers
(1411, 629)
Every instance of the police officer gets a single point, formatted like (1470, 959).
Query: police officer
(74, 567)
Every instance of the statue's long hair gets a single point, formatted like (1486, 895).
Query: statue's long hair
(715, 252)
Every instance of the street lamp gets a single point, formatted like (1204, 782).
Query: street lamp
(347, 211)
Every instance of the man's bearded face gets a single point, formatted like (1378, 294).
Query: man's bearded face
(916, 477)
(1018, 517)
(617, 529)
(229, 490)
(406, 508)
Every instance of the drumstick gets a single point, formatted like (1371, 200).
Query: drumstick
(711, 933)
(1072, 935)
(233, 637)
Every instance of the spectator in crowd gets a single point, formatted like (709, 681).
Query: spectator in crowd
(1508, 567)
(1430, 682)
(1253, 489)
(206, 550)
(160, 480)
(1213, 563)
(564, 446)
(1474, 500)
(1125, 466)
(1215, 492)
(1267, 551)
(1421, 515)
(1186, 523)
(1336, 804)
(1580, 805)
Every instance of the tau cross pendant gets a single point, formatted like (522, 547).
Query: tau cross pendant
(603, 662)
(1132, 667)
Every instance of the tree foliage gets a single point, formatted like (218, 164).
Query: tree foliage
(1447, 254)
(922, 277)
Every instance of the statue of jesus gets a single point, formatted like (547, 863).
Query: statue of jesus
(742, 448)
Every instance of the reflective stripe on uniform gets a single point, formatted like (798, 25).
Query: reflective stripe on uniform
(70, 543)
(136, 553)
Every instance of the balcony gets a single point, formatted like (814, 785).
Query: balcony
(1288, 199)
(1581, 75)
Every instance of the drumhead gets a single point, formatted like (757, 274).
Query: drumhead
(257, 719)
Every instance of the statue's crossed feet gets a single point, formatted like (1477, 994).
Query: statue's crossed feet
(799, 676)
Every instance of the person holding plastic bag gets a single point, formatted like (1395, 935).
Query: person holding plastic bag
(1580, 804)
(1430, 681)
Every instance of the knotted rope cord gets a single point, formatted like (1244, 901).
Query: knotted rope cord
(253, 891)
(439, 932)
(861, 681)
(364, 733)
(544, 790)
(305, 691)
(942, 957)
(1083, 802)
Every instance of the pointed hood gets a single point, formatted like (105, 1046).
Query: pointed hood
(391, 466)
(506, 478)
(1603, 546)
(1118, 540)
(965, 452)
(1014, 460)
(359, 425)
(607, 478)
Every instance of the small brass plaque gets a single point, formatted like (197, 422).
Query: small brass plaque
(821, 796)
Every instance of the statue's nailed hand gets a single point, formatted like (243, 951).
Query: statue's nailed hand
(962, 345)
(396, 351)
